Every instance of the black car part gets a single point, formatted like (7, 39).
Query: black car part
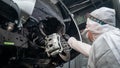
(26, 45)
(13, 13)
(9, 15)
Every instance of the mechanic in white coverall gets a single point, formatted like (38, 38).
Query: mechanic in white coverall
(100, 29)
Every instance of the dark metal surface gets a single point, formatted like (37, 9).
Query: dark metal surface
(19, 40)
(45, 9)
(14, 11)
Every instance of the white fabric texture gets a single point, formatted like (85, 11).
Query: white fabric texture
(105, 51)
(97, 29)
(105, 14)
(79, 46)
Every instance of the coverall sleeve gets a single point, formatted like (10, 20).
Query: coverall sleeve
(79, 46)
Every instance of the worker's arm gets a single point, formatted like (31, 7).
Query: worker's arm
(79, 46)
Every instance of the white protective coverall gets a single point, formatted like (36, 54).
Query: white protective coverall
(105, 50)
